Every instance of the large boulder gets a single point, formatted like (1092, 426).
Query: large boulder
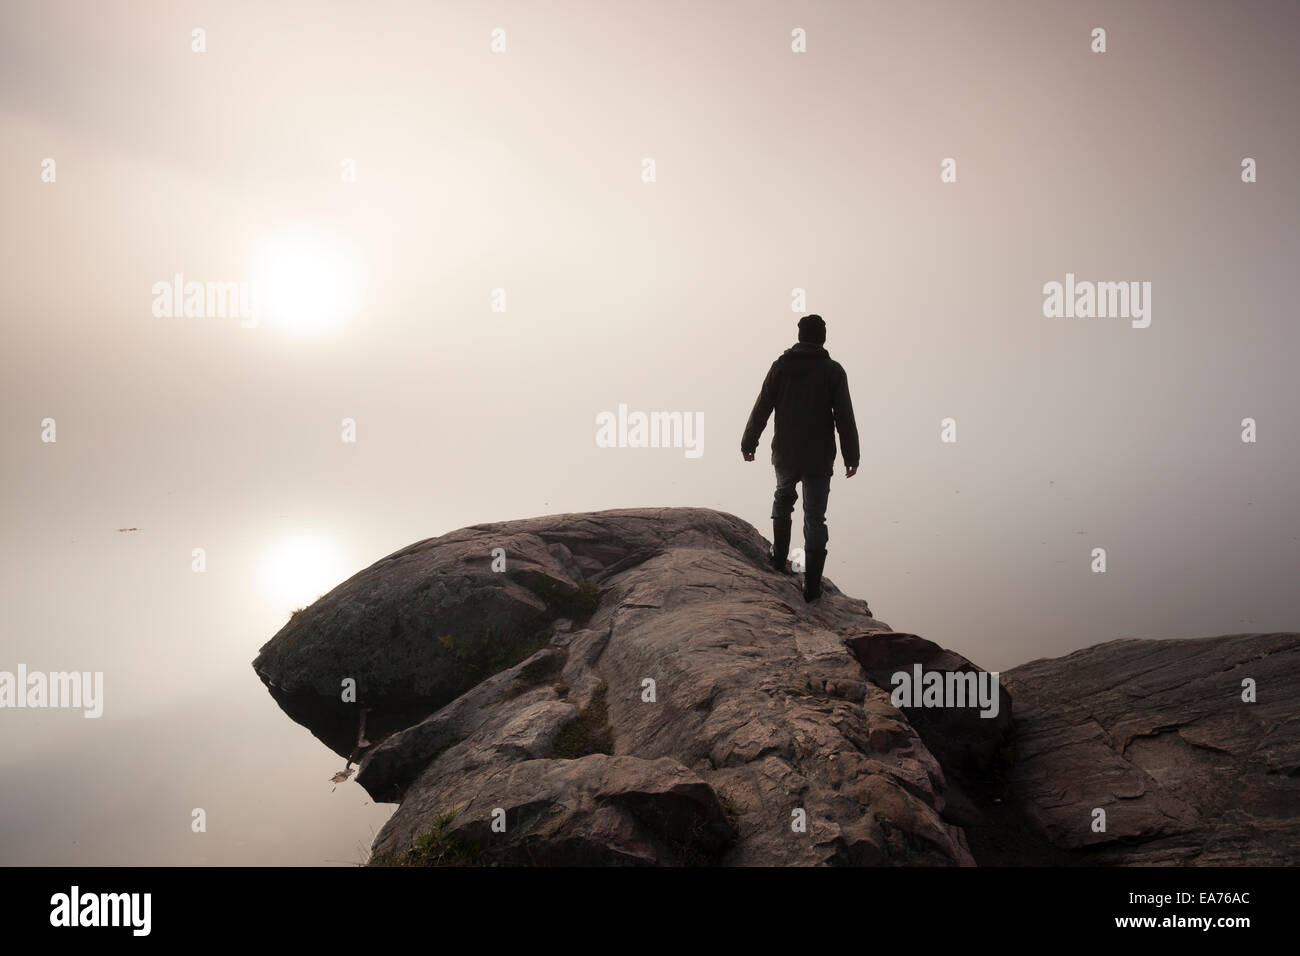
(657, 640)
(1156, 736)
(641, 687)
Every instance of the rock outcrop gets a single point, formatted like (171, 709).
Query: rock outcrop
(1157, 736)
(640, 687)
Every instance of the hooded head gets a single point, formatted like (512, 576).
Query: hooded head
(812, 328)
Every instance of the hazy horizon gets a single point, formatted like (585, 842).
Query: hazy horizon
(522, 171)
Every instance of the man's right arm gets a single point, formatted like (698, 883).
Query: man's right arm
(842, 407)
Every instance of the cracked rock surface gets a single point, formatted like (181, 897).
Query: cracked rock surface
(639, 687)
(1156, 734)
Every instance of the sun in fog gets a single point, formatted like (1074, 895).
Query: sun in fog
(298, 569)
(304, 285)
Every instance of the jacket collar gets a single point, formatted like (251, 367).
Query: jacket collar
(808, 348)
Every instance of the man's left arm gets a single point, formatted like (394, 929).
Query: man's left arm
(758, 417)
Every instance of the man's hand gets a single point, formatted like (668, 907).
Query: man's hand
(749, 455)
(850, 471)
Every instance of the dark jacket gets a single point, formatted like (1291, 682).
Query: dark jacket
(810, 394)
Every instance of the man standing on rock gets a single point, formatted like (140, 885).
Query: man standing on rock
(810, 393)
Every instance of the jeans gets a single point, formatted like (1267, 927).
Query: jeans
(816, 490)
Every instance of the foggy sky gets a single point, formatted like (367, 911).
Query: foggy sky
(522, 171)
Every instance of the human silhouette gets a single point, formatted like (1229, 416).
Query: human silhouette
(809, 392)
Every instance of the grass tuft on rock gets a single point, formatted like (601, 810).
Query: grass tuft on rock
(590, 732)
(578, 606)
(437, 847)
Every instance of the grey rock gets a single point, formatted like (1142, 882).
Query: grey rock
(757, 705)
(1156, 734)
(960, 737)
(639, 687)
(595, 811)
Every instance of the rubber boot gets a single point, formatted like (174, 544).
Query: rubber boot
(780, 543)
(812, 580)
